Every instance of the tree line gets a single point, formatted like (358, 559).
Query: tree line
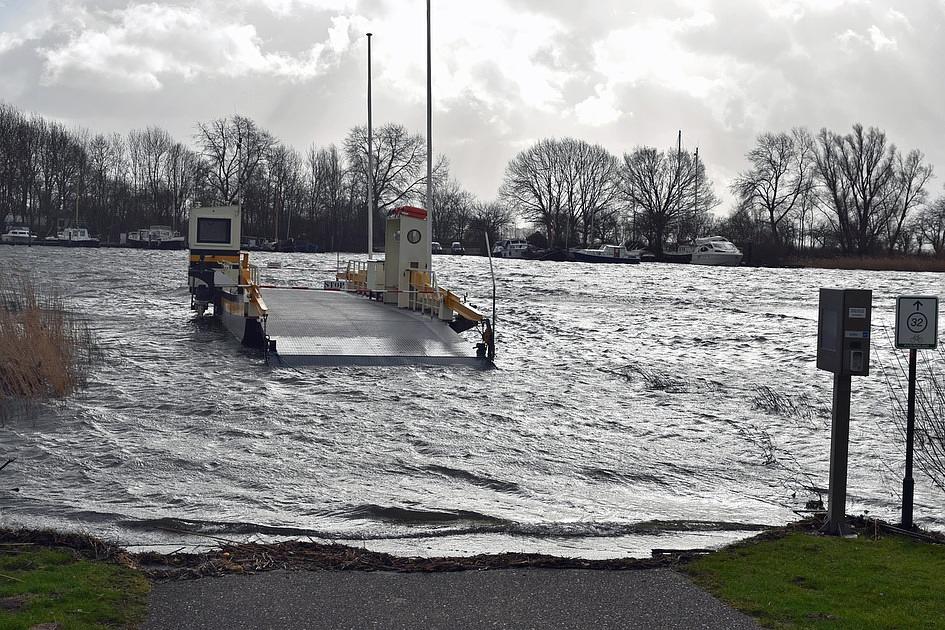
(580, 193)
(51, 176)
(852, 193)
(855, 192)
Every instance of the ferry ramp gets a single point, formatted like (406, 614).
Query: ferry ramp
(333, 328)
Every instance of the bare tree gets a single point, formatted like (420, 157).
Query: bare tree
(399, 163)
(780, 178)
(454, 209)
(154, 144)
(285, 179)
(492, 218)
(327, 193)
(534, 187)
(180, 170)
(668, 190)
(568, 186)
(855, 171)
(931, 225)
(907, 192)
(234, 149)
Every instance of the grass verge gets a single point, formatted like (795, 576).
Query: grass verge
(805, 580)
(55, 585)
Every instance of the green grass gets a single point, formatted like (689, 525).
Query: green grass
(809, 581)
(43, 585)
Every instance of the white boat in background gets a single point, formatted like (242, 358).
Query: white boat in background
(156, 237)
(716, 250)
(18, 236)
(72, 237)
(606, 254)
(511, 248)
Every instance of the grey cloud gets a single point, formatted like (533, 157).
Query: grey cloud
(761, 72)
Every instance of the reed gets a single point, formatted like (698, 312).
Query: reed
(929, 411)
(45, 352)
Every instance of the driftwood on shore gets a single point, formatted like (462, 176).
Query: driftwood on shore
(248, 558)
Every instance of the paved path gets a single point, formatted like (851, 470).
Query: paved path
(511, 598)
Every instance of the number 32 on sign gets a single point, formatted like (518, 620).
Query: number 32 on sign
(916, 322)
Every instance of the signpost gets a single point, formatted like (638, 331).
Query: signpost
(916, 329)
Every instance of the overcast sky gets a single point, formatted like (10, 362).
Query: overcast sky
(506, 72)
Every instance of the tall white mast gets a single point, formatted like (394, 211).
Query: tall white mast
(370, 159)
(429, 200)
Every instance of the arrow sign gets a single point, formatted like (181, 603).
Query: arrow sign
(917, 322)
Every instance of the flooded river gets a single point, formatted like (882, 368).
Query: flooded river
(634, 407)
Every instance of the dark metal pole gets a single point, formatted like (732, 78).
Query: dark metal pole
(908, 483)
(839, 451)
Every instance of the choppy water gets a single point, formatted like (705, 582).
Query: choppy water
(632, 409)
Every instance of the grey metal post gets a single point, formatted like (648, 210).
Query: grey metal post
(908, 483)
(370, 159)
(429, 199)
(839, 451)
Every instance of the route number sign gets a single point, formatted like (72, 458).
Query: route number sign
(917, 322)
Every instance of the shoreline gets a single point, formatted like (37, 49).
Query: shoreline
(228, 557)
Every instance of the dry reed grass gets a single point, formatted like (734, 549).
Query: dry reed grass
(874, 263)
(44, 351)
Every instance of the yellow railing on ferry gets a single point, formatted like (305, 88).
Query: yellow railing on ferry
(249, 277)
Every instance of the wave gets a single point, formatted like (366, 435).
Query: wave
(413, 516)
(464, 525)
(474, 479)
(613, 476)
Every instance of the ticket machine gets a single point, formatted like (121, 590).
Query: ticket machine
(843, 331)
(843, 347)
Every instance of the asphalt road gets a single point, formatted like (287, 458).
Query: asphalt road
(509, 598)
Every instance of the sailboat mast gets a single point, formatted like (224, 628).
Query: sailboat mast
(697, 180)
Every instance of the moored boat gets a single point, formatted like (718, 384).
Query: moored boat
(72, 237)
(511, 248)
(18, 236)
(156, 237)
(606, 254)
(716, 250)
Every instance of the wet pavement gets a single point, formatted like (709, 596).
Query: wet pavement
(528, 598)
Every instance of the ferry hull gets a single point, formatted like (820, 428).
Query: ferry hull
(61, 242)
(717, 260)
(247, 330)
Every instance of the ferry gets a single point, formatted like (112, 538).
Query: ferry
(373, 313)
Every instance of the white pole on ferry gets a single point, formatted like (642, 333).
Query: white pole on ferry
(429, 200)
(370, 159)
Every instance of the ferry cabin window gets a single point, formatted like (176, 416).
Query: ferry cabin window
(213, 230)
